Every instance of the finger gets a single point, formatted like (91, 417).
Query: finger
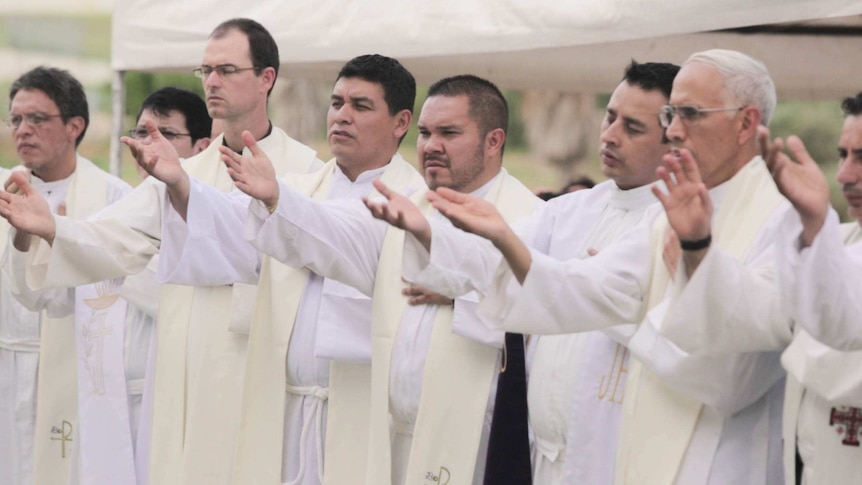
(61, 209)
(383, 189)
(592, 252)
(21, 180)
(763, 140)
(153, 130)
(705, 199)
(774, 157)
(230, 158)
(799, 151)
(251, 143)
(451, 195)
(660, 195)
(664, 175)
(689, 166)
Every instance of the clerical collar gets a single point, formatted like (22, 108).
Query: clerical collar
(268, 132)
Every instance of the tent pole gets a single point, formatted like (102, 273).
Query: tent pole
(118, 102)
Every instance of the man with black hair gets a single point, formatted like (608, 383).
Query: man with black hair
(306, 393)
(48, 116)
(201, 362)
(181, 117)
(577, 380)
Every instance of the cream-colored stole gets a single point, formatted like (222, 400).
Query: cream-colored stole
(198, 380)
(458, 371)
(259, 454)
(806, 358)
(658, 422)
(57, 390)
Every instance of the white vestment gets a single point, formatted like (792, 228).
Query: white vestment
(823, 291)
(341, 241)
(576, 381)
(21, 329)
(200, 364)
(329, 319)
(820, 379)
(734, 438)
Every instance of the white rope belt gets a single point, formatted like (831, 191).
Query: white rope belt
(19, 345)
(320, 395)
(548, 449)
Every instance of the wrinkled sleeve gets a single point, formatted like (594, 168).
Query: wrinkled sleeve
(117, 241)
(575, 295)
(57, 302)
(208, 248)
(727, 383)
(336, 239)
(821, 284)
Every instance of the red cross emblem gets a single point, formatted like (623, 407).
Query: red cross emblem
(849, 420)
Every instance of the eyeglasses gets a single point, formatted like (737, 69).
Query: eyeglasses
(33, 119)
(141, 133)
(687, 114)
(223, 70)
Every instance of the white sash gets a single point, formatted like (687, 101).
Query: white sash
(445, 442)
(105, 447)
(193, 432)
(57, 432)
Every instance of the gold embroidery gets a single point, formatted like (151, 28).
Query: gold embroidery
(65, 432)
(618, 368)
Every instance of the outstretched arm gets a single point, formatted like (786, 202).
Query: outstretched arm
(801, 181)
(686, 203)
(480, 217)
(159, 158)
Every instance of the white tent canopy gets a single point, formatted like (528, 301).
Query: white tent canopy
(579, 45)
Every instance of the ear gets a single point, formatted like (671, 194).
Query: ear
(268, 78)
(749, 121)
(200, 145)
(402, 123)
(494, 141)
(75, 126)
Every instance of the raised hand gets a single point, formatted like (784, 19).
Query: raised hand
(26, 210)
(470, 213)
(157, 156)
(400, 212)
(687, 202)
(801, 181)
(252, 174)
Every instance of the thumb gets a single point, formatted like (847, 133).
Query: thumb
(153, 130)
(251, 143)
(451, 195)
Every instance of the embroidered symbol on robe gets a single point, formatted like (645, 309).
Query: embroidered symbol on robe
(95, 331)
(64, 433)
(849, 420)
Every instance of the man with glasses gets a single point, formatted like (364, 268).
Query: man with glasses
(48, 116)
(686, 418)
(200, 362)
(181, 117)
(816, 272)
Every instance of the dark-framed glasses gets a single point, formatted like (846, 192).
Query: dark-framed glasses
(33, 119)
(141, 133)
(687, 114)
(222, 70)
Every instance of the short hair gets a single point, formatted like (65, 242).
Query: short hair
(651, 76)
(63, 89)
(399, 86)
(261, 45)
(488, 106)
(162, 102)
(852, 105)
(744, 77)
